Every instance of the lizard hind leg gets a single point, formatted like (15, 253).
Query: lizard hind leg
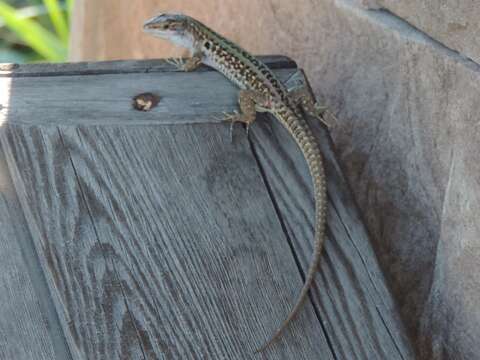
(303, 98)
(248, 101)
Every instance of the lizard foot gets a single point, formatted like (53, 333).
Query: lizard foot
(233, 118)
(179, 63)
(187, 65)
(321, 113)
(326, 116)
(319, 110)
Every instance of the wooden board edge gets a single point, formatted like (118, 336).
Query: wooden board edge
(116, 67)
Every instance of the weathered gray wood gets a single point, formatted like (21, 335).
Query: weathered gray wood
(82, 280)
(187, 274)
(74, 100)
(29, 327)
(350, 290)
(161, 239)
(116, 67)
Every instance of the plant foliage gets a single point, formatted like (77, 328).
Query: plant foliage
(34, 30)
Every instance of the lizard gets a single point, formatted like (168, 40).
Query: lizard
(260, 91)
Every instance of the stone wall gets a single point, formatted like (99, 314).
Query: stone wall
(454, 24)
(408, 102)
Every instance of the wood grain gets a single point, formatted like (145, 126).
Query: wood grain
(83, 283)
(134, 251)
(29, 326)
(350, 290)
(74, 99)
(349, 274)
(116, 67)
(160, 239)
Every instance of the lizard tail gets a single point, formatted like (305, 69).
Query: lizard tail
(311, 151)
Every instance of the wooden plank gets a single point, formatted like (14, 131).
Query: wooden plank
(66, 243)
(107, 99)
(109, 208)
(29, 326)
(116, 67)
(357, 310)
(161, 242)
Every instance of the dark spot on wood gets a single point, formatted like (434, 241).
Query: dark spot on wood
(207, 45)
(145, 101)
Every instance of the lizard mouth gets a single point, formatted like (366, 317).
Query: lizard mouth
(149, 25)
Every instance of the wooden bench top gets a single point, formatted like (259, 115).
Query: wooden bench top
(149, 235)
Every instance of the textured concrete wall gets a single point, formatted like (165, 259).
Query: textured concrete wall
(408, 133)
(453, 23)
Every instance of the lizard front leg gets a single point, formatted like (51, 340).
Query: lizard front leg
(188, 64)
(249, 102)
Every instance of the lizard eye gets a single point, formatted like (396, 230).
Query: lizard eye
(173, 26)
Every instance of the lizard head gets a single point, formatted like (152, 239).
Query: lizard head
(172, 27)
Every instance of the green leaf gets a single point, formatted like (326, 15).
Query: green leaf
(58, 19)
(34, 35)
(28, 12)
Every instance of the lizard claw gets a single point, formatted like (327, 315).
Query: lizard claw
(232, 124)
(232, 118)
(327, 117)
(247, 128)
(179, 63)
(320, 110)
(322, 113)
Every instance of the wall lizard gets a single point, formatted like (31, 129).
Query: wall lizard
(260, 91)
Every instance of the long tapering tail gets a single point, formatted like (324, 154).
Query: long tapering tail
(298, 127)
